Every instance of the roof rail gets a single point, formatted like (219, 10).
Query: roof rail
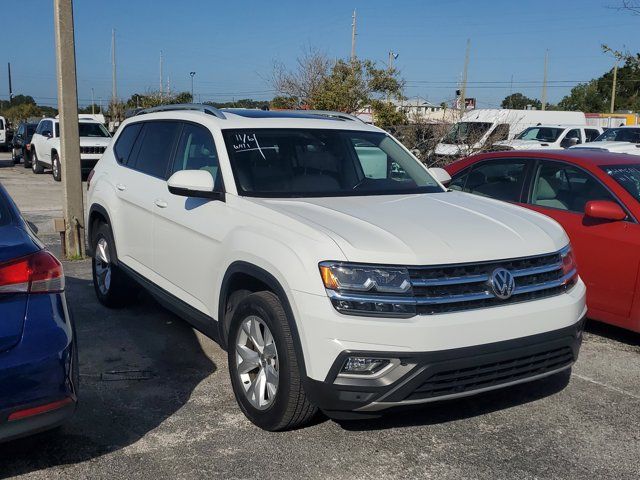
(199, 107)
(331, 114)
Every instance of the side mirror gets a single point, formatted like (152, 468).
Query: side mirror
(604, 210)
(194, 183)
(569, 142)
(441, 175)
(47, 134)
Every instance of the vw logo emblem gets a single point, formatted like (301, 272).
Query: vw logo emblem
(502, 283)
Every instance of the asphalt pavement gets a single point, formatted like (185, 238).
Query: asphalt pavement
(156, 402)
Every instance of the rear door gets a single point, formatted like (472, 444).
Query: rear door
(138, 185)
(608, 253)
(188, 232)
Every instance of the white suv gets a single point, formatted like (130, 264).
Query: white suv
(550, 137)
(45, 145)
(333, 267)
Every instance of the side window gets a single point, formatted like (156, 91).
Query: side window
(197, 151)
(499, 179)
(47, 129)
(591, 134)
(39, 128)
(573, 133)
(562, 186)
(500, 133)
(124, 144)
(459, 179)
(1, 124)
(156, 145)
(375, 162)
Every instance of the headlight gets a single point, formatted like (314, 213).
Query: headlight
(368, 289)
(364, 278)
(569, 265)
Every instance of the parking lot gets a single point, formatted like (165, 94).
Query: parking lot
(156, 401)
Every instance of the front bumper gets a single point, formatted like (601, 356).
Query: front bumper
(439, 375)
(40, 370)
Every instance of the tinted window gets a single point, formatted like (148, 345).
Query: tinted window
(124, 144)
(466, 132)
(542, 134)
(620, 135)
(501, 180)
(314, 162)
(197, 151)
(562, 186)
(501, 132)
(458, 180)
(591, 134)
(1, 124)
(156, 146)
(92, 130)
(45, 127)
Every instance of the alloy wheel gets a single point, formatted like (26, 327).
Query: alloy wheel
(103, 266)
(257, 362)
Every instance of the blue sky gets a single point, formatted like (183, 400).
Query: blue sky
(232, 45)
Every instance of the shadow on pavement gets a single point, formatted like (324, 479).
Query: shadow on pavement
(613, 333)
(138, 366)
(472, 406)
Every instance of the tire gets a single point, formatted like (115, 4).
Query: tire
(286, 406)
(14, 158)
(56, 167)
(36, 167)
(112, 286)
(26, 157)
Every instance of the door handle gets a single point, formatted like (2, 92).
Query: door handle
(161, 203)
(121, 187)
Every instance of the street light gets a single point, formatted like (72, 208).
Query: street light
(192, 74)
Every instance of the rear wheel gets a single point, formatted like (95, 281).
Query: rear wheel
(14, 157)
(264, 368)
(55, 166)
(112, 286)
(36, 167)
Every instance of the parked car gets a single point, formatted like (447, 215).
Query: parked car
(333, 283)
(21, 144)
(617, 140)
(480, 128)
(5, 133)
(38, 356)
(550, 137)
(594, 196)
(45, 145)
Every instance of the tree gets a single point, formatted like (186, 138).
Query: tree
(284, 103)
(302, 83)
(21, 112)
(519, 101)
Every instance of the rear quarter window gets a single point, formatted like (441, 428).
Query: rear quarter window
(124, 145)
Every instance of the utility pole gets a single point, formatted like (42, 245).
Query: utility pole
(463, 87)
(114, 90)
(93, 103)
(353, 36)
(613, 88)
(192, 74)
(69, 134)
(392, 57)
(10, 87)
(544, 81)
(161, 75)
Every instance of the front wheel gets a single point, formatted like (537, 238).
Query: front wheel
(264, 368)
(55, 167)
(14, 158)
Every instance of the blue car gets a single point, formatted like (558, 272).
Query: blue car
(38, 358)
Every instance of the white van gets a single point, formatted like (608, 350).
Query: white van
(484, 127)
(4, 137)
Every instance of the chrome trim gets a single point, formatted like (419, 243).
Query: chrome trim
(334, 295)
(523, 272)
(377, 406)
(434, 282)
(546, 285)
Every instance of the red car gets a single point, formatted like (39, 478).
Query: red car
(594, 195)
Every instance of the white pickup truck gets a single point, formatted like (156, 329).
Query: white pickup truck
(617, 140)
(552, 137)
(45, 146)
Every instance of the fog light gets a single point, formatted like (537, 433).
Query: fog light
(363, 365)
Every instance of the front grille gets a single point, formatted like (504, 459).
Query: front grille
(452, 288)
(456, 381)
(93, 150)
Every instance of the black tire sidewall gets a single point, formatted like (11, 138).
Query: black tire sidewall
(103, 231)
(56, 159)
(271, 418)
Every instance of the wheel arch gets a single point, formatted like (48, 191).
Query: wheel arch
(98, 214)
(241, 271)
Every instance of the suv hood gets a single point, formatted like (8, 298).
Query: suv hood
(616, 147)
(427, 229)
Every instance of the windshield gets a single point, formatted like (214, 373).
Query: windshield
(541, 134)
(466, 133)
(88, 130)
(626, 175)
(620, 135)
(320, 163)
